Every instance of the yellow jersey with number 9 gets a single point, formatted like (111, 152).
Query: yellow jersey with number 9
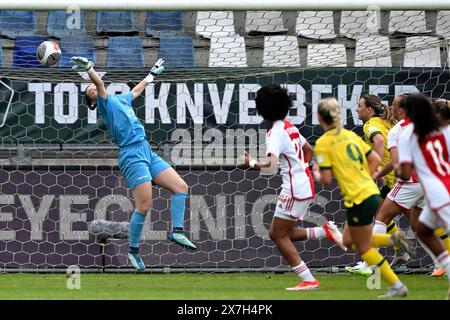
(345, 153)
(371, 128)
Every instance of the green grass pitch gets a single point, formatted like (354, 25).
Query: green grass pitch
(207, 286)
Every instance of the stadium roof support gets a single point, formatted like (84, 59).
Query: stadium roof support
(217, 5)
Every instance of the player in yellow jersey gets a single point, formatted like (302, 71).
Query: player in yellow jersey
(342, 153)
(378, 121)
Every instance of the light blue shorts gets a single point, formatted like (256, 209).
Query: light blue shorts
(138, 163)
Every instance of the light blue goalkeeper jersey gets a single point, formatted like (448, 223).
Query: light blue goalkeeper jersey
(120, 119)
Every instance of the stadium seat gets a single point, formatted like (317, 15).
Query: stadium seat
(215, 24)
(177, 52)
(165, 23)
(373, 51)
(315, 24)
(321, 55)
(408, 22)
(60, 24)
(281, 51)
(1, 54)
(17, 23)
(24, 55)
(264, 22)
(125, 52)
(76, 46)
(428, 55)
(227, 52)
(443, 23)
(113, 23)
(355, 24)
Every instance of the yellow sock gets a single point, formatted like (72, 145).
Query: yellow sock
(373, 258)
(380, 240)
(392, 228)
(444, 237)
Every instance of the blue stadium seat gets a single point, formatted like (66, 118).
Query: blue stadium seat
(58, 21)
(24, 55)
(177, 52)
(125, 52)
(115, 23)
(17, 23)
(76, 46)
(165, 23)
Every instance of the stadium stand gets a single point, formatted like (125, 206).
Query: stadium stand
(25, 52)
(428, 57)
(370, 46)
(113, 23)
(408, 22)
(165, 23)
(324, 54)
(177, 52)
(215, 24)
(17, 23)
(76, 46)
(264, 22)
(227, 52)
(120, 49)
(281, 51)
(355, 24)
(1, 53)
(58, 21)
(315, 25)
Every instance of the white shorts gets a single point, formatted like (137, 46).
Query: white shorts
(290, 209)
(436, 218)
(407, 195)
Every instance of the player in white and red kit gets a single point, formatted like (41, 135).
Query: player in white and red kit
(289, 150)
(424, 146)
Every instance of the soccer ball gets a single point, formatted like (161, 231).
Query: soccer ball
(48, 53)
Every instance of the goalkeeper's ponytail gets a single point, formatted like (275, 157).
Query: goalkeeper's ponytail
(329, 110)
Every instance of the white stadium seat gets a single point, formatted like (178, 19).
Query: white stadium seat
(281, 51)
(429, 54)
(321, 55)
(215, 24)
(227, 52)
(315, 24)
(408, 22)
(356, 23)
(443, 24)
(368, 47)
(264, 22)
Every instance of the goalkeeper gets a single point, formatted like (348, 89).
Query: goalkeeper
(137, 162)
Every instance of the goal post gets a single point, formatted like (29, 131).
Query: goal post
(233, 5)
(58, 164)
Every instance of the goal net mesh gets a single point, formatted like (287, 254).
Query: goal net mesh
(58, 163)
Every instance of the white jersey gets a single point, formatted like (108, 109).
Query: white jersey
(392, 142)
(285, 142)
(431, 161)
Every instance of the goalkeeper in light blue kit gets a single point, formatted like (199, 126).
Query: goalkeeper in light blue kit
(137, 162)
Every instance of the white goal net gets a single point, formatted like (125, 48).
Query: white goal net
(58, 163)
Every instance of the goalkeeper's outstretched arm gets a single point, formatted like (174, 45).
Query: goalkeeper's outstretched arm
(156, 70)
(82, 63)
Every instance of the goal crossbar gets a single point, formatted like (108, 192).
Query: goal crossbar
(216, 5)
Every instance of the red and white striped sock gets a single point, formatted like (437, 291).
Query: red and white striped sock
(303, 272)
(315, 233)
(444, 260)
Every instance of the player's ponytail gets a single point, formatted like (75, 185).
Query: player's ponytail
(329, 110)
(442, 109)
(380, 109)
(420, 111)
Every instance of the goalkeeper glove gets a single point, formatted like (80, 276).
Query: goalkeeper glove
(81, 63)
(156, 70)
